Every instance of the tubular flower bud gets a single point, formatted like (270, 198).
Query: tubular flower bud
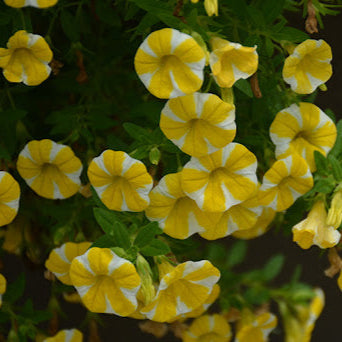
(211, 7)
(335, 212)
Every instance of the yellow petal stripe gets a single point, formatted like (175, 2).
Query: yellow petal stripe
(72, 335)
(60, 259)
(33, 3)
(26, 59)
(198, 124)
(121, 182)
(182, 290)
(308, 66)
(9, 198)
(170, 63)
(222, 179)
(52, 170)
(177, 214)
(230, 62)
(105, 282)
(284, 182)
(208, 328)
(303, 129)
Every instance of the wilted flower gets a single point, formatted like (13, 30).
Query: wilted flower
(52, 170)
(222, 179)
(105, 282)
(26, 59)
(170, 63)
(303, 129)
(2, 287)
(121, 182)
(314, 230)
(60, 259)
(198, 124)
(33, 3)
(230, 62)
(284, 182)
(72, 335)
(308, 66)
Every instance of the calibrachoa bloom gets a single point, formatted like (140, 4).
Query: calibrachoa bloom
(182, 289)
(52, 170)
(26, 59)
(2, 287)
(121, 182)
(262, 224)
(170, 63)
(230, 62)
(303, 129)
(72, 335)
(314, 230)
(255, 328)
(308, 66)
(33, 3)
(198, 124)
(208, 328)
(105, 282)
(177, 214)
(222, 179)
(60, 259)
(284, 182)
(9, 198)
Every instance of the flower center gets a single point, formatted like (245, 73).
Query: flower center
(169, 61)
(50, 169)
(219, 174)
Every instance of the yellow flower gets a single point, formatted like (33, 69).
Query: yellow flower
(198, 124)
(314, 230)
(176, 213)
(222, 179)
(121, 182)
(105, 282)
(208, 328)
(26, 59)
(299, 326)
(308, 66)
(335, 211)
(303, 129)
(230, 62)
(170, 63)
(9, 198)
(33, 3)
(262, 224)
(2, 287)
(284, 182)
(253, 328)
(52, 170)
(182, 289)
(239, 217)
(72, 335)
(60, 259)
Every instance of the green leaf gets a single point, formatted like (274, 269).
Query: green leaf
(336, 168)
(244, 86)
(236, 254)
(146, 234)
(136, 132)
(291, 34)
(104, 241)
(321, 163)
(273, 267)
(272, 9)
(107, 13)
(70, 26)
(324, 185)
(156, 247)
(105, 219)
(15, 289)
(337, 149)
(121, 235)
(96, 199)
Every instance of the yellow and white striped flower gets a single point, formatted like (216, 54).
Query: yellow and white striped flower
(284, 182)
(176, 213)
(121, 182)
(9, 198)
(314, 231)
(60, 259)
(261, 226)
(26, 59)
(105, 282)
(253, 328)
(33, 3)
(308, 66)
(71, 335)
(222, 179)
(3, 284)
(198, 124)
(303, 129)
(183, 289)
(170, 63)
(230, 62)
(239, 217)
(52, 170)
(208, 328)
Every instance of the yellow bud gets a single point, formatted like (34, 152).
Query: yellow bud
(211, 7)
(14, 237)
(323, 87)
(335, 212)
(147, 290)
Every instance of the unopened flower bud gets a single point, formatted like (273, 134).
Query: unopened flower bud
(211, 7)
(335, 212)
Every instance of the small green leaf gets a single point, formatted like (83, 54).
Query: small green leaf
(105, 219)
(146, 234)
(154, 156)
(336, 168)
(337, 149)
(291, 34)
(104, 241)
(70, 26)
(244, 86)
(136, 132)
(236, 254)
(121, 235)
(324, 185)
(15, 289)
(321, 163)
(156, 247)
(273, 267)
